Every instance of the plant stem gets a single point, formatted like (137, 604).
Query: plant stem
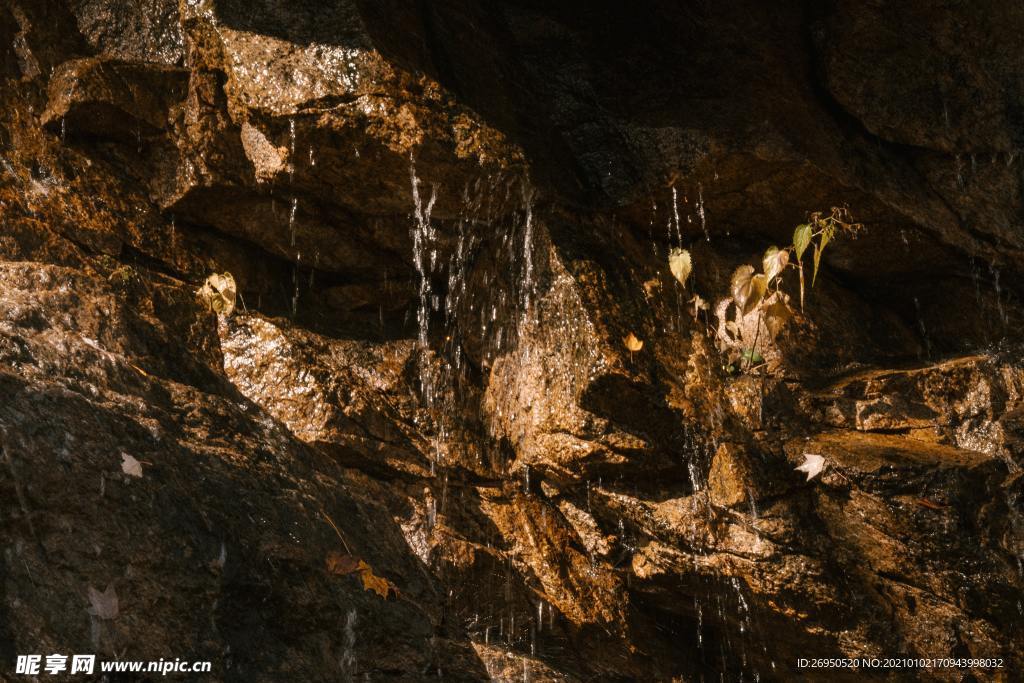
(757, 334)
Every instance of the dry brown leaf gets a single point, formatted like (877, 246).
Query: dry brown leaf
(341, 565)
(632, 343)
(776, 317)
(930, 504)
(812, 465)
(218, 293)
(105, 605)
(698, 305)
(130, 466)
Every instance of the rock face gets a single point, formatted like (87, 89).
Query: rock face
(444, 220)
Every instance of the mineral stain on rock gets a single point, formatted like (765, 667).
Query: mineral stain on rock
(416, 445)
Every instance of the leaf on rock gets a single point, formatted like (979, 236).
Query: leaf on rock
(801, 239)
(812, 465)
(341, 565)
(218, 293)
(774, 262)
(681, 265)
(105, 605)
(131, 466)
(372, 582)
(632, 343)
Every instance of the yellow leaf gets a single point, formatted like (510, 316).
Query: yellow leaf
(632, 343)
(680, 263)
(756, 289)
(776, 317)
(801, 239)
(218, 293)
(372, 582)
(774, 262)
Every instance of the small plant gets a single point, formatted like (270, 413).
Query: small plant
(824, 229)
(756, 300)
(218, 293)
(122, 276)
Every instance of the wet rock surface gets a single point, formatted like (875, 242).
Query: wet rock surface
(443, 222)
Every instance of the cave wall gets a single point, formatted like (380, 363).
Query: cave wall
(443, 219)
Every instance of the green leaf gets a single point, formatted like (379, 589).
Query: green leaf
(827, 233)
(681, 265)
(774, 261)
(747, 288)
(751, 356)
(801, 239)
(758, 288)
(817, 260)
(740, 284)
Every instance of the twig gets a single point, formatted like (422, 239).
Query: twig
(336, 529)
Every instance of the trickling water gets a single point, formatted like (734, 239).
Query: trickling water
(675, 214)
(291, 149)
(431, 504)
(312, 271)
(528, 248)
(999, 291)
(976, 278)
(422, 238)
(291, 219)
(347, 662)
(496, 229)
(924, 331)
(700, 211)
(295, 285)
